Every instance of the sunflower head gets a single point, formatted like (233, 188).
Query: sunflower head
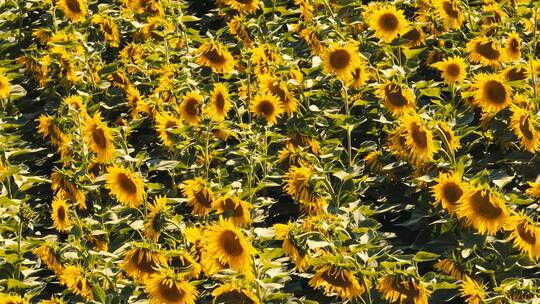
(126, 186)
(397, 98)
(341, 60)
(452, 69)
(60, 213)
(512, 46)
(216, 57)
(486, 52)
(483, 208)
(167, 287)
(515, 73)
(388, 22)
(449, 12)
(243, 6)
(5, 86)
(234, 293)
(267, 105)
(300, 184)
(199, 195)
(182, 263)
(492, 93)
(220, 104)
(403, 288)
(525, 234)
(155, 220)
(339, 280)
(418, 138)
(450, 137)
(233, 208)
(524, 124)
(190, 108)
(449, 267)
(75, 10)
(62, 183)
(100, 138)
(74, 277)
(167, 127)
(279, 88)
(141, 262)
(473, 291)
(449, 190)
(291, 246)
(47, 254)
(415, 36)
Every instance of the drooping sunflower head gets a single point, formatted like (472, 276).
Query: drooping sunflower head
(449, 190)
(299, 183)
(167, 287)
(61, 183)
(243, 6)
(415, 36)
(404, 288)
(141, 262)
(183, 264)
(234, 293)
(234, 209)
(515, 73)
(266, 105)
(5, 86)
(190, 108)
(486, 52)
(126, 186)
(483, 208)
(449, 267)
(341, 60)
(374, 160)
(525, 234)
(6, 298)
(293, 249)
(449, 12)
(492, 93)
(60, 213)
(279, 88)
(199, 195)
(99, 138)
(155, 220)
(451, 140)
(452, 69)
(360, 76)
(533, 190)
(75, 10)
(473, 291)
(167, 127)
(220, 104)
(418, 138)
(397, 98)
(524, 124)
(388, 22)
(47, 254)
(228, 245)
(512, 46)
(216, 57)
(74, 278)
(338, 280)
(109, 29)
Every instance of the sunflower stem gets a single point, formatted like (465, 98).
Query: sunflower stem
(206, 149)
(348, 114)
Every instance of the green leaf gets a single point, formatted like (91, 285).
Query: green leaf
(422, 256)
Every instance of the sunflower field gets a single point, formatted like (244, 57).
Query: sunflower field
(269, 151)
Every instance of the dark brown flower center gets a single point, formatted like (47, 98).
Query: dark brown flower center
(453, 70)
(336, 278)
(419, 136)
(388, 22)
(232, 209)
(525, 127)
(220, 102)
(191, 108)
(233, 297)
(61, 213)
(482, 206)
(74, 6)
(203, 197)
(170, 293)
(452, 192)
(526, 234)
(514, 45)
(214, 56)
(98, 135)
(266, 107)
(488, 51)
(450, 9)
(231, 244)
(516, 74)
(126, 183)
(495, 92)
(144, 261)
(395, 96)
(340, 59)
(412, 35)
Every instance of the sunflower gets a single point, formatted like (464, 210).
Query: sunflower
(248, 6)
(515, 73)
(265, 57)
(75, 10)
(268, 106)
(62, 184)
(232, 293)
(184, 264)
(75, 280)
(388, 22)
(216, 57)
(109, 29)
(299, 184)
(199, 195)
(5, 86)
(373, 160)
(126, 186)
(279, 89)
(155, 220)
(47, 254)
(451, 138)
(341, 60)
(48, 128)
(492, 93)
(140, 262)
(418, 138)
(52, 300)
(403, 288)
(485, 51)
(166, 287)
(12, 299)
(512, 47)
(449, 12)
(166, 124)
(533, 190)
(220, 104)
(472, 291)
(449, 190)
(453, 69)
(524, 123)
(483, 208)
(100, 138)
(448, 266)
(60, 213)
(415, 36)
(335, 279)
(359, 76)
(397, 98)
(190, 108)
(525, 234)
(234, 209)
(291, 247)
(228, 245)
